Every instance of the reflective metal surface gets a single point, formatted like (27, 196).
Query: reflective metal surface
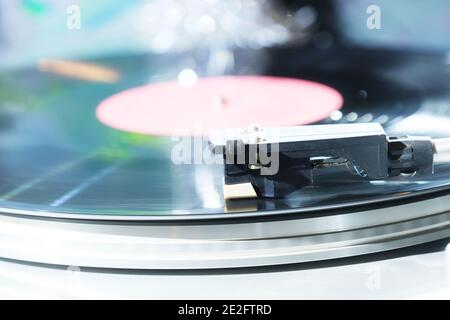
(204, 245)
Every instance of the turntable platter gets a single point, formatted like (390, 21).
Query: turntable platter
(59, 161)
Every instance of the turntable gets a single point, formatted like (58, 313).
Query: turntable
(89, 179)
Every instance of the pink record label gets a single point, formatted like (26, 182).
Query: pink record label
(168, 108)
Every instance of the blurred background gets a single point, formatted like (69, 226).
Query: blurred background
(336, 42)
(32, 29)
(382, 56)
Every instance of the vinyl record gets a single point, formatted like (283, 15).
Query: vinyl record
(78, 189)
(59, 159)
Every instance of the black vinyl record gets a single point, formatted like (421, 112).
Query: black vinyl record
(58, 159)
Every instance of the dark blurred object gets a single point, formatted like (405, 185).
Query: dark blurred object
(327, 17)
(405, 24)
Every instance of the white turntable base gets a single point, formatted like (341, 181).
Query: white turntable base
(423, 276)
